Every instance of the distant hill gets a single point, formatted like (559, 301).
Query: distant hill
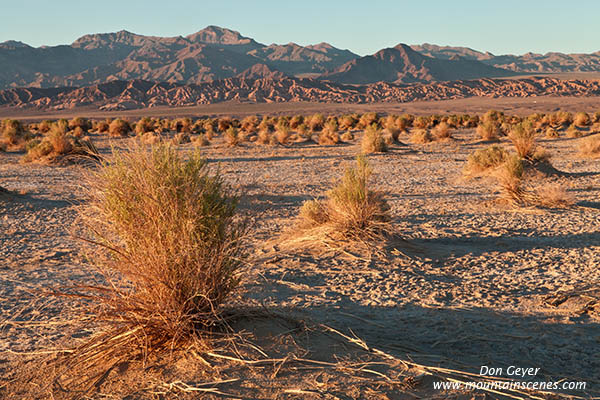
(529, 62)
(401, 64)
(135, 94)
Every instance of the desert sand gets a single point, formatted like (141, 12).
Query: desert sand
(471, 283)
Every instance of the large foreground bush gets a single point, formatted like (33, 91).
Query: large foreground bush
(171, 241)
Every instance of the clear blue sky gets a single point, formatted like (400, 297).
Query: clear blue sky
(501, 26)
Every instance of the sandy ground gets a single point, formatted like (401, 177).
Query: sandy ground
(473, 284)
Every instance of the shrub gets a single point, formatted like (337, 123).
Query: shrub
(316, 122)
(421, 122)
(441, 131)
(421, 136)
(368, 119)
(249, 124)
(403, 123)
(182, 138)
(144, 125)
(224, 124)
(590, 146)
(552, 133)
(165, 235)
(552, 195)
(282, 134)
(488, 130)
(581, 119)
(102, 126)
(485, 159)
(373, 141)
(329, 135)
(264, 136)
(232, 136)
(200, 140)
(347, 122)
(573, 132)
(352, 211)
(58, 146)
(78, 132)
(150, 138)
(12, 132)
(304, 132)
(347, 136)
(119, 128)
(80, 122)
(523, 138)
(509, 177)
(44, 126)
(296, 121)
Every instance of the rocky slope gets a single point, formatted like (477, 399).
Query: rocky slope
(122, 95)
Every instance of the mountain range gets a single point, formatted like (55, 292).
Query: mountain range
(218, 53)
(124, 70)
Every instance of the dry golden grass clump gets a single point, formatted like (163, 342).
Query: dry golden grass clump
(488, 130)
(329, 135)
(164, 234)
(150, 138)
(523, 137)
(250, 124)
(13, 135)
(373, 140)
(590, 146)
(581, 119)
(296, 121)
(182, 138)
(573, 132)
(232, 136)
(442, 131)
(403, 123)
(421, 136)
(200, 140)
(315, 122)
(282, 134)
(368, 119)
(101, 126)
(551, 133)
(514, 190)
(144, 125)
(421, 122)
(59, 146)
(347, 136)
(348, 122)
(350, 212)
(119, 128)
(486, 159)
(79, 122)
(553, 195)
(489, 127)
(303, 132)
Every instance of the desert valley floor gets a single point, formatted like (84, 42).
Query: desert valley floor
(472, 282)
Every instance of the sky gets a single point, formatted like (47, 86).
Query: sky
(364, 27)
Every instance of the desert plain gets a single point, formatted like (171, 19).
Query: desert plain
(468, 281)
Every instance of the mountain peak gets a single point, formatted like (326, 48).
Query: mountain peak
(14, 44)
(213, 34)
